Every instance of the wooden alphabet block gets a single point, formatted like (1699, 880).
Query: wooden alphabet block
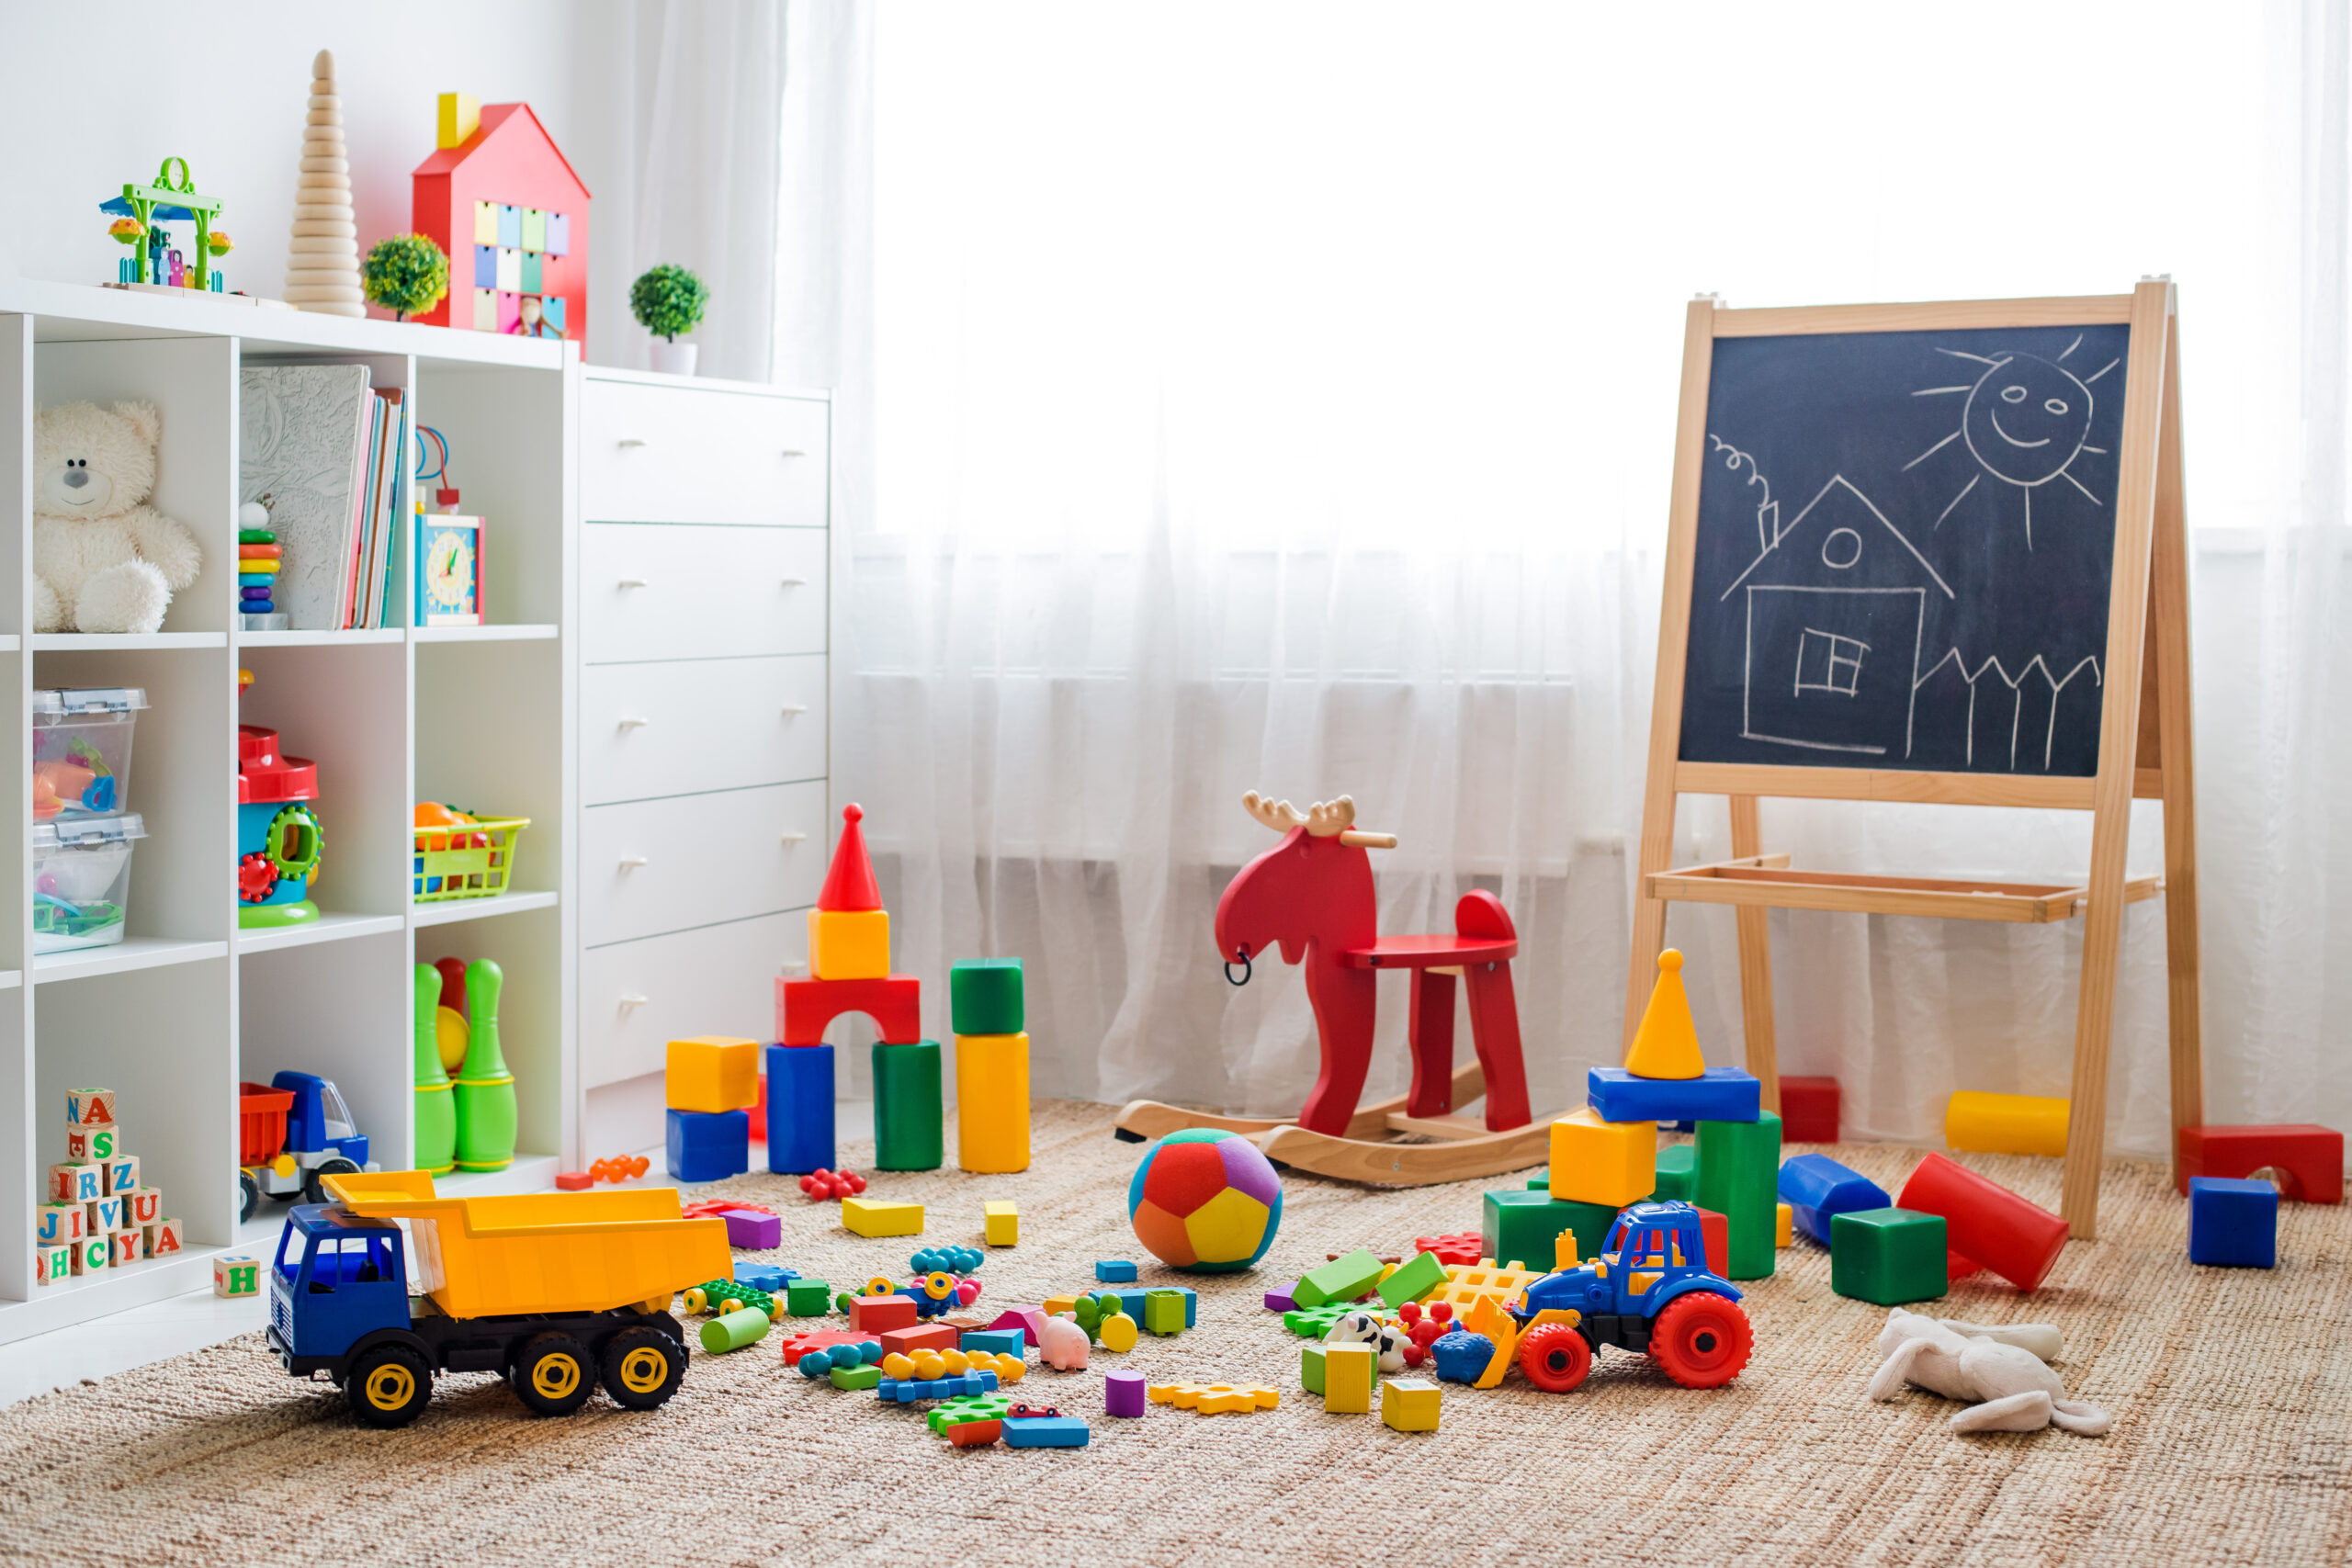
(124, 1247)
(121, 1174)
(52, 1264)
(169, 1237)
(90, 1107)
(145, 1205)
(77, 1181)
(234, 1274)
(57, 1225)
(106, 1216)
(90, 1254)
(91, 1142)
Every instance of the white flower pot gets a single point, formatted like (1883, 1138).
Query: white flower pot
(675, 358)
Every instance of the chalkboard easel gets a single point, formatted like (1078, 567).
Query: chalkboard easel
(1925, 553)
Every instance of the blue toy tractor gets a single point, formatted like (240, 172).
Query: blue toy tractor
(1650, 1289)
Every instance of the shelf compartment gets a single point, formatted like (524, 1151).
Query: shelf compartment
(328, 927)
(131, 952)
(1766, 882)
(450, 911)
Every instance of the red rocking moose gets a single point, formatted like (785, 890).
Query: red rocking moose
(1311, 897)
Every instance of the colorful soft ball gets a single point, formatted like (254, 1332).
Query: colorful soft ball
(1205, 1200)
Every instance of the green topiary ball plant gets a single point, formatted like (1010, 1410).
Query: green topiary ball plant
(406, 274)
(668, 301)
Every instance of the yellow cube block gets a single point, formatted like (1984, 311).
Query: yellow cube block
(1784, 1232)
(1347, 1378)
(867, 1217)
(1603, 1162)
(1409, 1404)
(849, 944)
(1003, 1223)
(712, 1073)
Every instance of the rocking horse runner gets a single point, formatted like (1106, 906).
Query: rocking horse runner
(1310, 896)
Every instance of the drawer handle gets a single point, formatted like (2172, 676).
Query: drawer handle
(632, 583)
(630, 1000)
(628, 441)
(794, 452)
(630, 863)
(796, 582)
(634, 723)
(795, 837)
(791, 708)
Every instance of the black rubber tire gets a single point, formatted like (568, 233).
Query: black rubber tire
(312, 1192)
(248, 1196)
(625, 1366)
(389, 1386)
(554, 1375)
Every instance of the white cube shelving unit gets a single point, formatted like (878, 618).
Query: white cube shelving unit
(483, 717)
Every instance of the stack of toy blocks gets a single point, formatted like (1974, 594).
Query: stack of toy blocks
(849, 971)
(987, 1010)
(98, 1216)
(710, 1081)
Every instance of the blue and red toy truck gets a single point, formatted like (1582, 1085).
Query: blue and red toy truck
(293, 1135)
(1650, 1290)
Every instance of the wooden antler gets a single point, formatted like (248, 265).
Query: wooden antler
(1324, 819)
(1279, 815)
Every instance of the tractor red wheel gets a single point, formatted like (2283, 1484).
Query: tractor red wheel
(1554, 1356)
(1701, 1339)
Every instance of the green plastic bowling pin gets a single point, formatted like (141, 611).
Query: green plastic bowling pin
(436, 1106)
(485, 1091)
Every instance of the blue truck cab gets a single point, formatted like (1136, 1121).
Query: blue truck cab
(1650, 1290)
(321, 1140)
(337, 1280)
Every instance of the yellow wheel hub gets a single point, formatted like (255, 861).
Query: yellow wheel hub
(555, 1377)
(644, 1370)
(390, 1386)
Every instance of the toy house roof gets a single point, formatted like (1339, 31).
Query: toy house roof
(510, 126)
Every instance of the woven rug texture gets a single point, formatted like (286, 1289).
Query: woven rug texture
(2231, 1392)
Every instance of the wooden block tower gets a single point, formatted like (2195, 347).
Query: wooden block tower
(986, 1005)
(98, 1216)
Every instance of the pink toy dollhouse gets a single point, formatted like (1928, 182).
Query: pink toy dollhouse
(499, 197)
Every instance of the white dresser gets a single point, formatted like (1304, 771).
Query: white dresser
(702, 689)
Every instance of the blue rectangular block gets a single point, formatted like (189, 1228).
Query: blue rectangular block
(709, 1146)
(2232, 1223)
(1815, 1187)
(1720, 1094)
(996, 1341)
(768, 1277)
(1114, 1271)
(1131, 1303)
(800, 1109)
(906, 1391)
(1045, 1432)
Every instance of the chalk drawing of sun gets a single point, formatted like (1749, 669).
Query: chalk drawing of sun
(2026, 419)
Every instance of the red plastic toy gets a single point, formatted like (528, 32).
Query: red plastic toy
(1808, 1110)
(1984, 1220)
(824, 1186)
(622, 1168)
(1458, 1249)
(2308, 1159)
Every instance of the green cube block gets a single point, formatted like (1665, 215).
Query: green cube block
(984, 997)
(1677, 1173)
(908, 1116)
(1539, 1183)
(1342, 1280)
(807, 1298)
(1310, 1367)
(1163, 1311)
(1740, 1178)
(1414, 1279)
(1523, 1226)
(864, 1375)
(1888, 1256)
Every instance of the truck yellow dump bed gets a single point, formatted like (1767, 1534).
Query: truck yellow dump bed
(542, 1252)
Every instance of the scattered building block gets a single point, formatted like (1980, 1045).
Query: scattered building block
(1347, 1378)
(1123, 1394)
(996, 1341)
(1342, 1280)
(1887, 1255)
(984, 997)
(96, 1145)
(77, 1181)
(910, 1115)
(1310, 1367)
(1313, 1323)
(807, 1298)
(2308, 1159)
(120, 1174)
(89, 1107)
(2232, 1223)
(90, 1254)
(1166, 1311)
(1595, 1161)
(1024, 1319)
(712, 1073)
(573, 1181)
(235, 1274)
(1283, 1300)
(1409, 1404)
(1455, 1246)
(872, 1217)
(864, 1375)
(2018, 1240)
(1521, 1227)
(708, 1146)
(1739, 1164)
(2006, 1123)
(907, 1391)
(849, 944)
(1214, 1399)
(972, 1408)
(1816, 1187)
(1719, 1094)
(123, 1247)
(51, 1264)
(1000, 1224)
(1786, 1233)
(800, 1109)
(1959, 1265)
(1044, 1432)
(879, 1315)
(798, 1345)
(1411, 1281)
(757, 1233)
(1677, 1173)
(169, 1237)
(805, 1006)
(1114, 1271)
(58, 1225)
(1665, 1045)
(1714, 1235)
(920, 1336)
(769, 1276)
(1808, 1110)
(104, 1217)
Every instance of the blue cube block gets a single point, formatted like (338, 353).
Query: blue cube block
(1114, 1271)
(2232, 1223)
(1044, 1432)
(1720, 1094)
(996, 1341)
(485, 266)
(1815, 1187)
(800, 1109)
(709, 1146)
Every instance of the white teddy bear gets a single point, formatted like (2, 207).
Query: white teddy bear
(103, 559)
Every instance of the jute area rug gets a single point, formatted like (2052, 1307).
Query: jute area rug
(2232, 1392)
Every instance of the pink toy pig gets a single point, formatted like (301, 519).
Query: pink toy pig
(1061, 1344)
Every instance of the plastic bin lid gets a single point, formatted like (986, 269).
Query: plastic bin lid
(78, 832)
(56, 703)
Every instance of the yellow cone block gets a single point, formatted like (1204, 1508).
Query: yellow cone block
(992, 1102)
(1666, 1044)
(712, 1073)
(1603, 1162)
(2006, 1123)
(849, 944)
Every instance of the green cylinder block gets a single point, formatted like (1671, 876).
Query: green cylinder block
(733, 1330)
(436, 1102)
(909, 1115)
(485, 1089)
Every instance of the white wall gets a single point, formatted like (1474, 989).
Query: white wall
(92, 97)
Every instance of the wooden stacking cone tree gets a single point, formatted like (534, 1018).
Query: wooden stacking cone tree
(323, 260)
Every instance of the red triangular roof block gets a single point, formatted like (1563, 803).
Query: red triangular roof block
(849, 880)
(493, 119)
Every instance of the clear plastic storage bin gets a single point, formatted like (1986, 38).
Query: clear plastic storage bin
(82, 880)
(81, 749)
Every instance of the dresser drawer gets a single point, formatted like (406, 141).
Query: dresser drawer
(636, 997)
(705, 858)
(689, 725)
(655, 591)
(681, 455)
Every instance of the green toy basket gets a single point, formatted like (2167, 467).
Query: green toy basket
(474, 861)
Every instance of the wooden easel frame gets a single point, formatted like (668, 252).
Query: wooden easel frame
(2144, 748)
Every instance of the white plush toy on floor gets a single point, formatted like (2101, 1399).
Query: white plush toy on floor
(2002, 1366)
(104, 561)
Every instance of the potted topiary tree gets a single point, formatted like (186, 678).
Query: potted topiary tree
(406, 274)
(668, 301)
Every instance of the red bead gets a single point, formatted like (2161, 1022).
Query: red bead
(1442, 1311)
(1410, 1312)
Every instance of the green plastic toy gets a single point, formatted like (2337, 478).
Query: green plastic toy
(485, 1089)
(437, 1104)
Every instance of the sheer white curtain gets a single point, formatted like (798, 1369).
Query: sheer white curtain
(1281, 397)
